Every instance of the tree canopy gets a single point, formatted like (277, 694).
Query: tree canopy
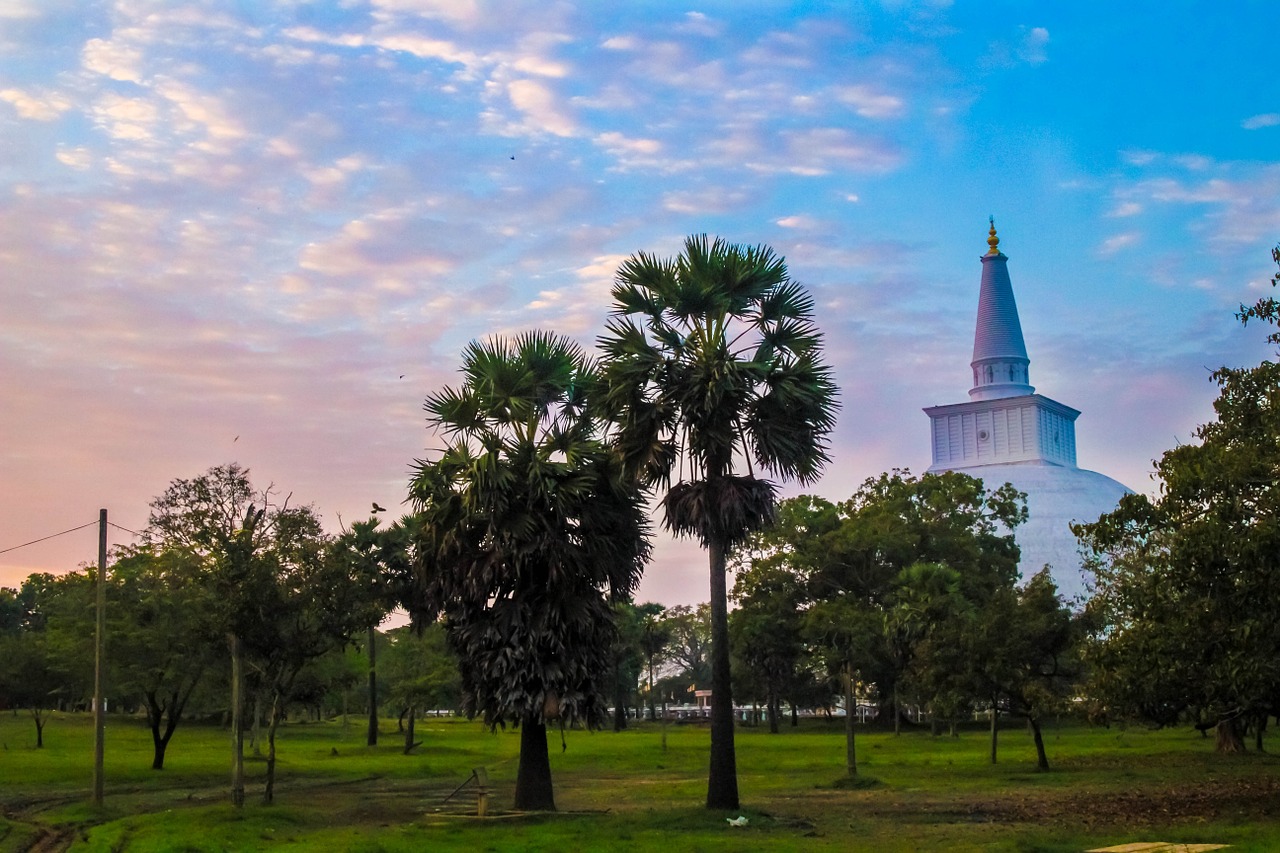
(528, 532)
(1187, 607)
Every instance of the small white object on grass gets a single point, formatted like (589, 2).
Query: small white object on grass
(740, 820)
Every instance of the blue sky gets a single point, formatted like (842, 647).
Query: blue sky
(228, 229)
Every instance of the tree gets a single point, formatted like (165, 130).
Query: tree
(249, 546)
(377, 560)
(654, 638)
(713, 364)
(161, 634)
(1187, 611)
(1023, 651)
(633, 623)
(30, 677)
(688, 645)
(422, 672)
(766, 633)
(528, 532)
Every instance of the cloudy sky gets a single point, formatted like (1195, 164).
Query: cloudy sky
(263, 231)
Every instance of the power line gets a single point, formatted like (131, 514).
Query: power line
(117, 527)
(53, 536)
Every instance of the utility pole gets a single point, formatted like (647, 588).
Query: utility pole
(99, 709)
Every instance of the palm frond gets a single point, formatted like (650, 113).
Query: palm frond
(724, 510)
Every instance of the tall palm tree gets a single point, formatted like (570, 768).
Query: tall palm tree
(712, 363)
(527, 534)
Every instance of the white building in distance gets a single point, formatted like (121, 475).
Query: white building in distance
(1009, 433)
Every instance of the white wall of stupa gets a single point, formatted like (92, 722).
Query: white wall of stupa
(1008, 433)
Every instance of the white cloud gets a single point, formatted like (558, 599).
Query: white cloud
(618, 144)
(36, 107)
(77, 158)
(1260, 121)
(805, 222)
(541, 109)
(132, 119)
(822, 150)
(113, 59)
(870, 103)
(698, 23)
(1139, 158)
(1126, 208)
(1034, 42)
(1120, 241)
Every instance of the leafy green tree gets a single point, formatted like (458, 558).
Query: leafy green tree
(896, 521)
(688, 646)
(422, 674)
(377, 559)
(1024, 652)
(632, 621)
(1186, 604)
(251, 548)
(766, 633)
(923, 627)
(712, 363)
(161, 635)
(654, 639)
(528, 533)
(30, 676)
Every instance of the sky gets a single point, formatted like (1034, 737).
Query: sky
(262, 232)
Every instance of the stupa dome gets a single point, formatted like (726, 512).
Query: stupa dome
(1007, 433)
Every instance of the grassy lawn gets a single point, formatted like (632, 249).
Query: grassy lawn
(624, 791)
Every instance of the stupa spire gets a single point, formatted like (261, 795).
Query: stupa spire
(1000, 364)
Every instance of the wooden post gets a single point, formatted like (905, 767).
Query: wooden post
(99, 708)
(482, 794)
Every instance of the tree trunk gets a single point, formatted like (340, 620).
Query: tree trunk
(897, 712)
(795, 716)
(269, 792)
(619, 701)
(722, 781)
(373, 685)
(773, 707)
(409, 743)
(995, 715)
(1230, 738)
(1042, 760)
(37, 714)
(237, 724)
(653, 707)
(1258, 732)
(533, 777)
(255, 727)
(850, 711)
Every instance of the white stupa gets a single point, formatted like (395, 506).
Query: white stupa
(1007, 433)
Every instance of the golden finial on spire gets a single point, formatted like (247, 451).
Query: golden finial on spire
(992, 240)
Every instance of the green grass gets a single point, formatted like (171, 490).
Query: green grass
(623, 791)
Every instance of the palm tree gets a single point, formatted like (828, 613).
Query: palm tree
(527, 534)
(712, 362)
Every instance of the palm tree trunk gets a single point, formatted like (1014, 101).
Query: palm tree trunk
(533, 777)
(722, 782)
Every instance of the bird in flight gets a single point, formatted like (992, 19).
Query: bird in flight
(378, 509)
